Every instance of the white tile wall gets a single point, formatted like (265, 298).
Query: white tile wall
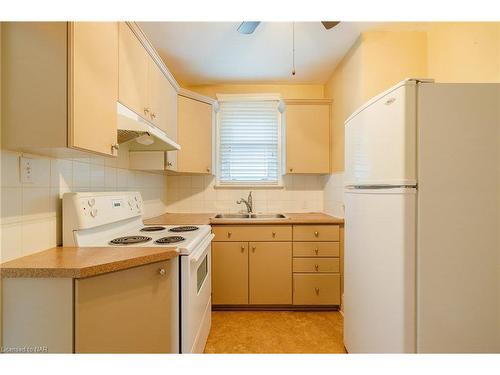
(31, 214)
(301, 193)
(333, 198)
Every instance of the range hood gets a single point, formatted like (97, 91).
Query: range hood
(140, 134)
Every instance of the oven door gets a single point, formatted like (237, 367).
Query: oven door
(196, 289)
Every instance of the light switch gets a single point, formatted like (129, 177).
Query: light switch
(26, 168)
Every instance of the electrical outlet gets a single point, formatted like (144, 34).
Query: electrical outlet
(26, 168)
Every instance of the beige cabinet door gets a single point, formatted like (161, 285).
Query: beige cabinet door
(162, 100)
(230, 273)
(128, 311)
(270, 273)
(93, 81)
(308, 138)
(133, 72)
(194, 136)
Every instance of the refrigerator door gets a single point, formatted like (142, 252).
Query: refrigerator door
(380, 139)
(379, 270)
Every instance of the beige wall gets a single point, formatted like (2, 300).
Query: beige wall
(376, 61)
(446, 52)
(287, 91)
(464, 52)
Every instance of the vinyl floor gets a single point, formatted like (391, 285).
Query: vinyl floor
(275, 332)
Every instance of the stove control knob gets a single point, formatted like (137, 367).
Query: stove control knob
(91, 202)
(137, 205)
(136, 198)
(93, 212)
(130, 203)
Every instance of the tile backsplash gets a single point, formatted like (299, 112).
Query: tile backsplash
(334, 194)
(301, 193)
(31, 213)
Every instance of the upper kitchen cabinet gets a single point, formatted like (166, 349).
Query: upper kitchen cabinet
(307, 136)
(60, 86)
(194, 134)
(145, 85)
(133, 72)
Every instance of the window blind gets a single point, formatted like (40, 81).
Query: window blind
(248, 142)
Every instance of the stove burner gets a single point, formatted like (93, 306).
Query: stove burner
(152, 229)
(169, 240)
(128, 240)
(188, 228)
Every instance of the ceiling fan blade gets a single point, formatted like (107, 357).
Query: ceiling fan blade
(330, 24)
(248, 27)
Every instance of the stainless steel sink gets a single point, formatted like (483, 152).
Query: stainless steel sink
(250, 216)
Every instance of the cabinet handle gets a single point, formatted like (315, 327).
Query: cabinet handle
(316, 234)
(317, 291)
(242, 248)
(169, 163)
(316, 267)
(115, 147)
(291, 169)
(253, 249)
(274, 234)
(153, 115)
(146, 111)
(208, 169)
(162, 271)
(229, 234)
(316, 251)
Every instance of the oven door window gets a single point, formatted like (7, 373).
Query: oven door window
(201, 273)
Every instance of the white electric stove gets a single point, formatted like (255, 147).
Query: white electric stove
(114, 219)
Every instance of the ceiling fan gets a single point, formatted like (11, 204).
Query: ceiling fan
(248, 27)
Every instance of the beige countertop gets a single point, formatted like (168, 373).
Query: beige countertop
(79, 262)
(199, 219)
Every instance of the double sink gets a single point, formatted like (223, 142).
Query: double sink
(250, 216)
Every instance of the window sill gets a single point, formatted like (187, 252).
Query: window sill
(246, 187)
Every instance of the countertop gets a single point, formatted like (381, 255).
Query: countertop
(200, 219)
(79, 262)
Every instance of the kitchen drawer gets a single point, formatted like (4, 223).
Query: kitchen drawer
(255, 232)
(316, 289)
(316, 249)
(316, 233)
(316, 265)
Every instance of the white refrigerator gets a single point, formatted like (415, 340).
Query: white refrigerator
(422, 226)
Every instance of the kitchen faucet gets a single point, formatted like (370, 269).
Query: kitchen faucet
(248, 202)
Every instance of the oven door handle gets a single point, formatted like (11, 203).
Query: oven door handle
(194, 257)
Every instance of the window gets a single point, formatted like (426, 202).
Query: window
(248, 140)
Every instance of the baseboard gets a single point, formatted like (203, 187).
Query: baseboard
(274, 308)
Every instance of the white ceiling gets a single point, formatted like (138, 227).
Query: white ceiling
(214, 52)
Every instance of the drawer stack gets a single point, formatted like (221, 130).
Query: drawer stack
(316, 265)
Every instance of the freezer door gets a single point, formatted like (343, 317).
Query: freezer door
(379, 271)
(380, 140)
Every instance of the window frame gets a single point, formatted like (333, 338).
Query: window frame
(250, 184)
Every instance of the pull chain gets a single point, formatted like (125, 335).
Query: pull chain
(293, 48)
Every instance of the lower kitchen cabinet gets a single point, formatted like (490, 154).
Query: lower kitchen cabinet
(134, 310)
(286, 266)
(230, 273)
(270, 273)
(125, 312)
